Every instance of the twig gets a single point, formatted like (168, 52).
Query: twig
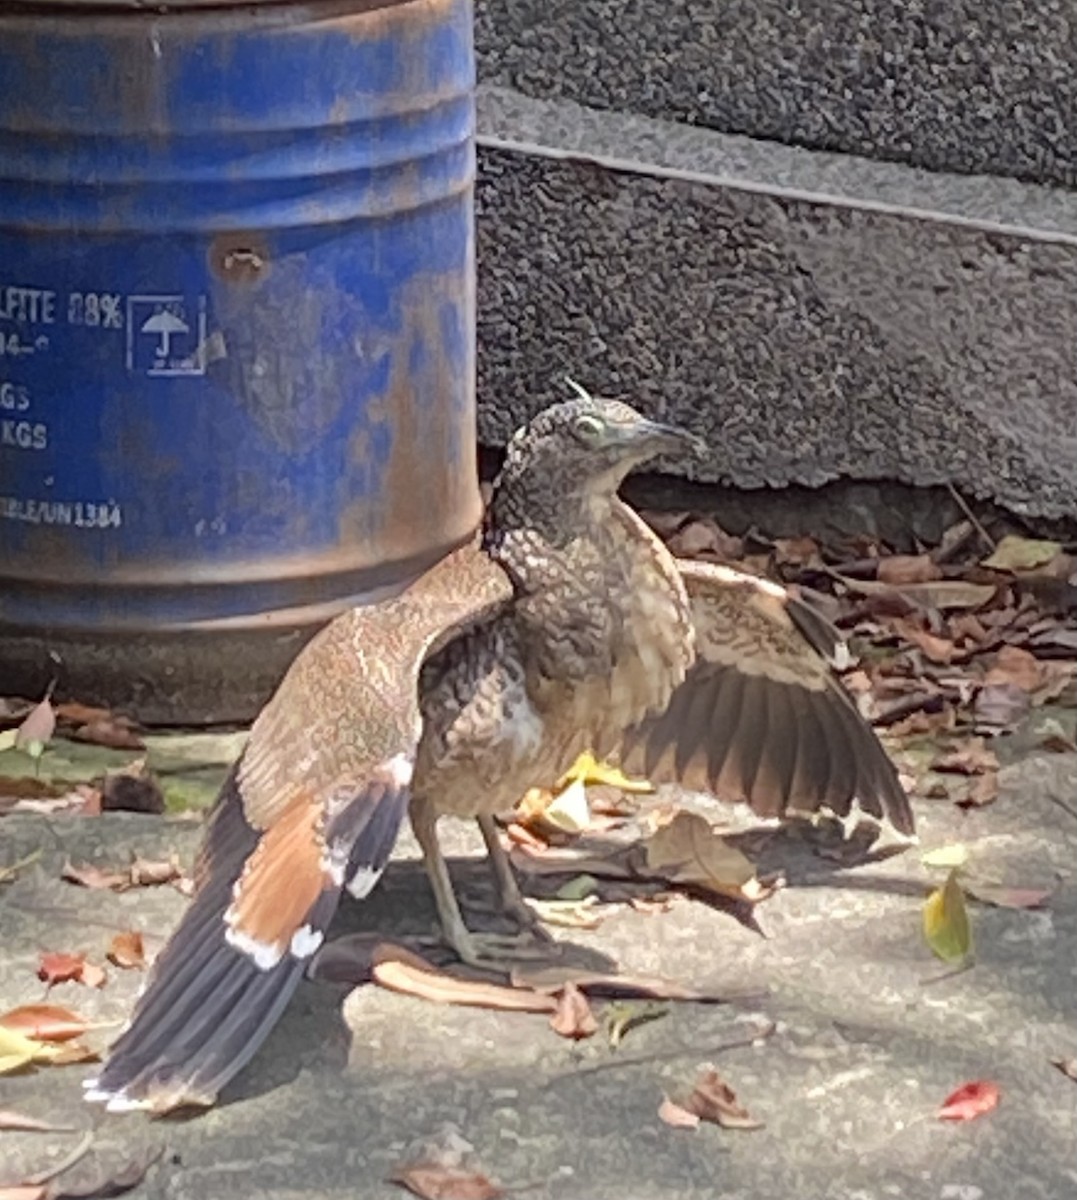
(967, 965)
(1066, 808)
(962, 504)
(65, 1164)
(637, 1060)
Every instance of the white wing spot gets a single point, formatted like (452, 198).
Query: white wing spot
(305, 941)
(264, 955)
(362, 882)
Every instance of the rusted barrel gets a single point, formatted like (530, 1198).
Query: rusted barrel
(236, 333)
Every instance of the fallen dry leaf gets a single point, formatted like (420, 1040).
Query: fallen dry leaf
(17, 1122)
(713, 1100)
(947, 595)
(1015, 553)
(400, 970)
(673, 1114)
(46, 1022)
(935, 649)
(24, 1191)
(126, 950)
(1018, 667)
(573, 1017)
(971, 757)
(145, 872)
(57, 967)
(17, 1051)
(970, 1101)
(946, 922)
(1000, 896)
(117, 1183)
(1068, 1067)
(622, 1016)
(115, 733)
(36, 730)
(74, 713)
(982, 791)
(899, 569)
(688, 851)
(89, 876)
(443, 1168)
(551, 979)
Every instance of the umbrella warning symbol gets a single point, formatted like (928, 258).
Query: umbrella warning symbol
(166, 335)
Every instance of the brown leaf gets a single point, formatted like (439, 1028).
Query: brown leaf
(1016, 666)
(688, 851)
(714, 1100)
(934, 648)
(24, 1191)
(434, 1182)
(673, 1114)
(999, 896)
(145, 872)
(705, 538)
(122, 1180)
(947, 595)
(983, 791)
(900, 569)
(126, 950)
(573, 1017)
(57, 967)
(552, 979)
(797, 552)
(74, 1052)
(92, 975)
(26, 787)
(47, 1022)
(37, 728)
(1068, 1067)
(114, 732)
(968, 758)
(443, 1168)
(89, 876)
(399, 970)
(74, 713)
(17, 1122)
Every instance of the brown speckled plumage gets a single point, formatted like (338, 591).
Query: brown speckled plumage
(567, 626)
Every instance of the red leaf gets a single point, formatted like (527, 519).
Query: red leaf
(573, 1017)
(56, 967)
(126, 950)
(970, 1101)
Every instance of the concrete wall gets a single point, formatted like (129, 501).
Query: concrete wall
(868, 314)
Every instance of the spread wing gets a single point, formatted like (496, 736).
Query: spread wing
(761, 717)
(313, 805)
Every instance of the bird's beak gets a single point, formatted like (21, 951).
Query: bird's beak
(656, 438)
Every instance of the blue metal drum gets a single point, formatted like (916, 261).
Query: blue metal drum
(236, 311)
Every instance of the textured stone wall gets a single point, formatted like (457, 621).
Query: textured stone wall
(817, 315)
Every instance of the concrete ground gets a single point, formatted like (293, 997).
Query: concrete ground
(872, 1034)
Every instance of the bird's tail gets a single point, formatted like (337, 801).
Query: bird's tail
(215, 992)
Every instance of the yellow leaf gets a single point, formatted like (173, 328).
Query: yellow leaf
(587, 769)
(569, 810)
(946, 921)
(17, 1051)
(1015, 553)
(946, 856)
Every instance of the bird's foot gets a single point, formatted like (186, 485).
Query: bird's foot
(502, 949)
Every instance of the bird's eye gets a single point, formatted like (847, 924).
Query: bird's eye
(589, 427)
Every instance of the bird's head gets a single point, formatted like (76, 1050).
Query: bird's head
(574, 456)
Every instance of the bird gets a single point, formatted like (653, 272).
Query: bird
(564, 626)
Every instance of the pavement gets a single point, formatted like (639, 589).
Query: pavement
(871, 1033)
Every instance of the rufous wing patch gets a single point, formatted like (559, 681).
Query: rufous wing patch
(279, 885)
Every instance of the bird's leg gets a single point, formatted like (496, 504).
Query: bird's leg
(511, 901)
(475, 949)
